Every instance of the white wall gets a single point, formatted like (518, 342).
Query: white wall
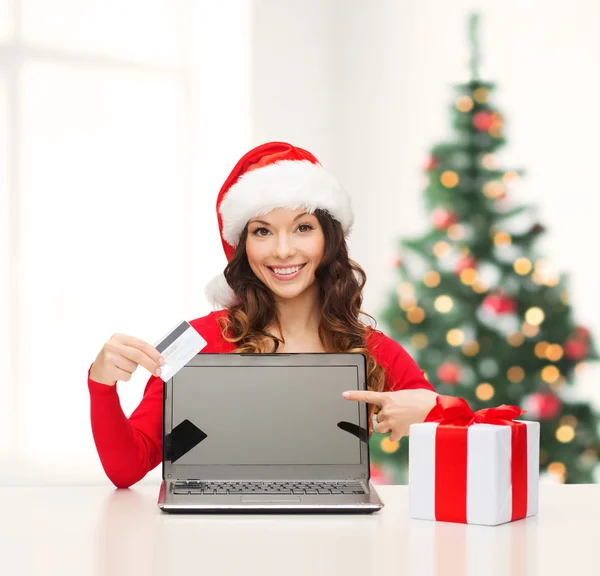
(387, 88)
(293, 75)
(118, 122)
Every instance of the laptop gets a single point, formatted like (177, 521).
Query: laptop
(266, 433)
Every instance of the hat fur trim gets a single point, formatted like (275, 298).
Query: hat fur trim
(220, 294)
(289, 184)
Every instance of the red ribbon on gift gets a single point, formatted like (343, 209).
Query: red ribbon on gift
(455, 416)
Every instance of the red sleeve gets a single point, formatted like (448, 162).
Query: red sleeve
(130, 447)
(402, 372)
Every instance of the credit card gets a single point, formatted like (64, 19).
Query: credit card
(178, 347)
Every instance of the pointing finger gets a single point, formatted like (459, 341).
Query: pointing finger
(377, 398)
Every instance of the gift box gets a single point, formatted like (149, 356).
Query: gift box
(473, 467)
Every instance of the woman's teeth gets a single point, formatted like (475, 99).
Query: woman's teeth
(286, 271)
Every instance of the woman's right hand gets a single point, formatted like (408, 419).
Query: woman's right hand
(120, 357)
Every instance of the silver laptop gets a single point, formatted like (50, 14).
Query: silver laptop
(266, 433)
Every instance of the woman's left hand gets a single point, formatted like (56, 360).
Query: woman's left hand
(398, 410)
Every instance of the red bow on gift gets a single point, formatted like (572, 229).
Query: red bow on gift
(456, 411)
(455, 416)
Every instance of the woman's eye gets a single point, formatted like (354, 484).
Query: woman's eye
(264, 231)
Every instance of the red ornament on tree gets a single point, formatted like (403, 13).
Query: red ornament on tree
(442, 218)
(499, 304)
(449, 373)
(576, 349)
(432, 164)
(466, 262)
(542, 405)
(482, 121)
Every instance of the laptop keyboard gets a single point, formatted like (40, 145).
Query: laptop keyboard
(215, 487)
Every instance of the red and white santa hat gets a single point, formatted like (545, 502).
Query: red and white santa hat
(272, 175)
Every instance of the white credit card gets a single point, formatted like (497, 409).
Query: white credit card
(178, 347)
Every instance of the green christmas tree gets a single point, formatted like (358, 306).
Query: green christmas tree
(476, 305)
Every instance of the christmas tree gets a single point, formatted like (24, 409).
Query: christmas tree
(476, 305)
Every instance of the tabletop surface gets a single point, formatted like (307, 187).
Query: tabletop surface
(102, 531)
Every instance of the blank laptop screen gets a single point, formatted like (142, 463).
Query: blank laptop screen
(268, 415)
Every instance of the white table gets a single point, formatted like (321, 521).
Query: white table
(101, 531)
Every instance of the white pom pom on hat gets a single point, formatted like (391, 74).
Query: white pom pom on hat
(272, 175)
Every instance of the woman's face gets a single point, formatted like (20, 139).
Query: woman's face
(284, 248)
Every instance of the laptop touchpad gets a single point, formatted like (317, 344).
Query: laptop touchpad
(265, 499)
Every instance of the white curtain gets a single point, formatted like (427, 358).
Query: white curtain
(119, 121)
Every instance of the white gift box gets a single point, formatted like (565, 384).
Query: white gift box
(488, 472)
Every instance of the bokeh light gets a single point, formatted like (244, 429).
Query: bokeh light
(420, 341)
(470, 348)
(468, 276)
(502, 239)
(449, 179)
(405, 290)
(516, 339)
(558, 471)
(541, 348)
(455, 337)
(515, 374)
(554, 352)
(440, 249)
(416, 315)
(530, 330)
(534, 316)
(400, 324)
(510, 177)
(481, 95)
(456, 232)
(568, 420)
(480, 287)
(484, 391)
(565, 434)
(431, 279)
(464, 104)
(550, 374)
(407, 303)
(493, 190)
(444, 304)
(523, 266)
(388, 446)
(489, 161)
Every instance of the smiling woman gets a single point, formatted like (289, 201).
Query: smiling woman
(290, 261)
(289, 286)
(287, 248)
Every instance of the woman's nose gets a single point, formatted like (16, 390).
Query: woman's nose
(284, 248)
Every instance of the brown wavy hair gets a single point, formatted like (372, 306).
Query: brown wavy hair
(340, 281)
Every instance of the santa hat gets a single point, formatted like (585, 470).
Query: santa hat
(273, 175)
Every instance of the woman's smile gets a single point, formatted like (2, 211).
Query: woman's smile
(286, 274)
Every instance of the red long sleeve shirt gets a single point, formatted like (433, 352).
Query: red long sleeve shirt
(130, 447)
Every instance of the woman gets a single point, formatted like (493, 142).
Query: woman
(289, 286)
